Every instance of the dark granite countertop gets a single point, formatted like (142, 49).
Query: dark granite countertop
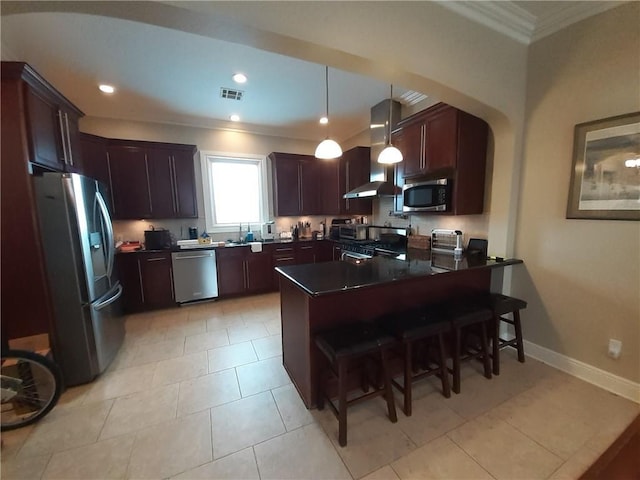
(231, 245)
(331, 277)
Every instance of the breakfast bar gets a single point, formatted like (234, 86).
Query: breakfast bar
(321, 296)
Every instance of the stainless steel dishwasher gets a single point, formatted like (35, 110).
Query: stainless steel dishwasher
(195, 276)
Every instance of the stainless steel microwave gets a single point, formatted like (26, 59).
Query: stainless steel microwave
(429, 196)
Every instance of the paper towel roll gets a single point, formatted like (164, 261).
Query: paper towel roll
(256, 246)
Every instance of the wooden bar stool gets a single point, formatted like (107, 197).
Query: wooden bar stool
(464, 315)
(416, 329)
(502, 305)
(342, 347)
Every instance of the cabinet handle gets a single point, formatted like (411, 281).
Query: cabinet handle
(245, 272)
(423, 146)
(146, 167)
(62, 136)
(300, 198)
(346, 185)
(157, 259)
(113, 203)
(66, 121)
(141, 284)
(306, 247)
(173, 295)
(175, 184)
(284, 259)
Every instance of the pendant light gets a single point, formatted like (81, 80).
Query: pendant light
(390, 154)
(328, 149)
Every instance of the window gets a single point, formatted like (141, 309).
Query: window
(234, 191)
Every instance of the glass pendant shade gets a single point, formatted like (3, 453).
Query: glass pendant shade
(390, 155)
(328, 149)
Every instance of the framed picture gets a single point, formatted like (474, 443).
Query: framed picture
(605, 178)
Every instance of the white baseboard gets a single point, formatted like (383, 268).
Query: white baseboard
(613, 383)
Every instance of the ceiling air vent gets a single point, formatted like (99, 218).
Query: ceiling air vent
(411, 98)
(231, 93)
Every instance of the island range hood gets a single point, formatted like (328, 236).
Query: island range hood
(381, 182)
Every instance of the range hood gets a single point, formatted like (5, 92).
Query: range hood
(381, 182)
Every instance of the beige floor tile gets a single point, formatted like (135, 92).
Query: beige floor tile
(144, 337)
(155, 352)
(105, 459)
(305, 453)
(430, 419)
(208, 391)
(186, 328)
(261, 376)
(221, 320)
(24, 468)
(125, 356)
(140, 410)
(240, 465)
(243, 423)
(292, 410)
(121, 382)
(268, 347)
(171, 447)
(180, 368)
(74, 396)
(487, 438)
(371, 444)
(439, 459)
(384, 473)
(244, 333)
(67, 429)
(206, 341)
(259, 315)
(13, 440)
(576, 465)
(274, 327)
(222, 358)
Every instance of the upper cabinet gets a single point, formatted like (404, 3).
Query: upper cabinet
(355, 168)
(50, 121)
(444, 142)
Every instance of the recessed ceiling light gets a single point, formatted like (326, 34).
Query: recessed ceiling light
(240, 78)
(234, 118)
(106, 88)
(324, 120)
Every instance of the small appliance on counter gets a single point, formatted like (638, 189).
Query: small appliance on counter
(334, 229)
(446, 241)
(157, 239)
(268, 231)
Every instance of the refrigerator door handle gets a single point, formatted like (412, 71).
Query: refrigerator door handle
(110, 300)
(109, 226)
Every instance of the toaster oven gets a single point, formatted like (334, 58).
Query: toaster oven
(354, 232)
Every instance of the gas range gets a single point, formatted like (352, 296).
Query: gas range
(369, 249)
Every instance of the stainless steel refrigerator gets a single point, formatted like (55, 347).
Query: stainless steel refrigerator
(77, 237)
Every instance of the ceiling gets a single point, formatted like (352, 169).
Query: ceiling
(171, 76)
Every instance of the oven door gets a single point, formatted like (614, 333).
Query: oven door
(430, 196)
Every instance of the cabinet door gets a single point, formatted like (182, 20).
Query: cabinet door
(230, 264)
(46, 140)
(306, 253)
(286, 185)
(309, 172)
(185, 184)
(131, 279)
(94, 158)
(324, 251)
(441, 141)
(410, 141)
(74, 149)
(161, 191)
(337, 251)
(357, 169)
(330, 196)
(157, 279)
(259, 276)
(283, 255)
(130, 182)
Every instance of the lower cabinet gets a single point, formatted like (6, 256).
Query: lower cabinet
(241, 271)
(147, 280)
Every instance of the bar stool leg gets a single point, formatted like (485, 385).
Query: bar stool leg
(495, 343)
(391, 405)
(408, 375)
(444, 374)
(518, 328)
(456, 359)
(342, 401)
(485, 350)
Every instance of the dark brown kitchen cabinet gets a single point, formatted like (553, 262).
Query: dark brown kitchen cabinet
(152, 180)
(147, 280)
(355, 169)
(95, 163)
(283, 254)
(129, 182)
(241, 271)
(306, 253)
(34, 127)
(324, 251)
(296, 184)
(444, 142)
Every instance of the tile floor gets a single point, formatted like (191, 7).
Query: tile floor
(200, 392)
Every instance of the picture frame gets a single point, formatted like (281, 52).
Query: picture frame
(605, 175)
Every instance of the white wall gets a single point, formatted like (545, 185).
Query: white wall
(581, 277)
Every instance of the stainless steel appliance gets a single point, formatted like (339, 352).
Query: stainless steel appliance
(194, 275)
(353, 232)
(385, 241)
(430, 196)
(77, 238)
(336, 223)
(158, 239)
(446, 241)
(268, 231)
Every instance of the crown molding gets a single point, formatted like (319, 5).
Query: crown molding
(508, 18)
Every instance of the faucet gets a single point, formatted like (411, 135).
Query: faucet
(240, 233)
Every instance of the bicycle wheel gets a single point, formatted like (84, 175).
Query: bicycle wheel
(31, 386)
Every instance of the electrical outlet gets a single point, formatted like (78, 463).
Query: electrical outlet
(615, 348)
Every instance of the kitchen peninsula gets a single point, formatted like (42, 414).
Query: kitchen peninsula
(316, 297)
